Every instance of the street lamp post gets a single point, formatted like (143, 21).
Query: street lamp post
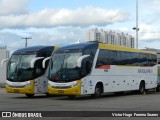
(136, 28)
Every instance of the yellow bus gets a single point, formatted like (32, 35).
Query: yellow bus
(27, 70)
(94, 68)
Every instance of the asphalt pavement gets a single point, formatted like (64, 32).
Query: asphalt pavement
(108, 102)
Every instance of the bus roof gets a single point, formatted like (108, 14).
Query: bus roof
(103, 46)
(34, 49)
(122, 48)
(79, 46)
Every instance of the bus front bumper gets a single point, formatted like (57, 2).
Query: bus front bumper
(65, 91)
(25, 90)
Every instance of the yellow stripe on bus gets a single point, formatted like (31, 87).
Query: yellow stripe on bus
(121, 48)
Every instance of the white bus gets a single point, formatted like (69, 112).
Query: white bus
(27, 70)
(158, 61)
(94, 68)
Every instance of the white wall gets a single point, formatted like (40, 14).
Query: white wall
(3, 55)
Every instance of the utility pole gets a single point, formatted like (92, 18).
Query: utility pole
(136, 28)
(26, 38)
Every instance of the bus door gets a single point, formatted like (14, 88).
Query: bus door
(40, 70)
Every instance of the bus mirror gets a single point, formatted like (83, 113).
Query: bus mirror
(80, 60)
(5, 60)
(34, 60)
(44, 62)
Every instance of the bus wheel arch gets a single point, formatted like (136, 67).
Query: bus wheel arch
(98, 90)
(142, 87)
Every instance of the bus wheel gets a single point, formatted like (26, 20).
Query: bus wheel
(48, 95)
(29, 95)
(157, 89)
(142, 88)
(71, 96)
(97, 92)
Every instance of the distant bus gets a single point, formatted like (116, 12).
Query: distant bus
(94, 68)
(26, 70)
(158, 81)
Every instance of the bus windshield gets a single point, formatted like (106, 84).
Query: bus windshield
(19, 69)
(63, 66)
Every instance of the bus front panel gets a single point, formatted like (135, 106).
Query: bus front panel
(20, 87)
(69, 88)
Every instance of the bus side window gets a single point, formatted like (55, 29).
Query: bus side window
(107, 57)
(101, 60)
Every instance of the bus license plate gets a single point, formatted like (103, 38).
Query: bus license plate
(16, 90)
(60, 91)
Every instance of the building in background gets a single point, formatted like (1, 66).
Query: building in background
(110, 37)
(3, 55)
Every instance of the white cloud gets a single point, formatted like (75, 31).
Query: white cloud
(149, 11)
(10, 7)
(153, 2)
(59, 36)
(14, 14)
(149, 19)
(11, 40)
(149, 32)
(64, 17)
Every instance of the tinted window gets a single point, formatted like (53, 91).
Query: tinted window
(112, 57)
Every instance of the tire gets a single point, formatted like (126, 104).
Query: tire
(29, 95)
(97, 92)
(157, 89)
(48, 95)
(71, 96)
(142, 88)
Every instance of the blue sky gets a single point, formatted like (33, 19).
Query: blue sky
(61, 22)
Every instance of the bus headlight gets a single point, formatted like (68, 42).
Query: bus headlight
(74, 84)
(49, 84)
(28, 84)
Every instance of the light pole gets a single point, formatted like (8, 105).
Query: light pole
(136, 28)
